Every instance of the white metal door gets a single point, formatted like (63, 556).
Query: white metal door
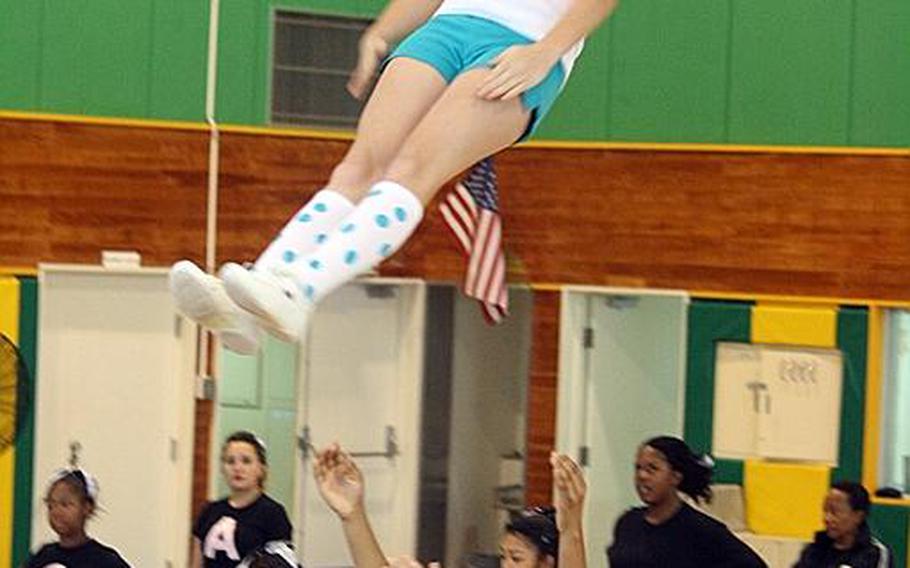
(116, 376)
(362, 377)
(633, 383)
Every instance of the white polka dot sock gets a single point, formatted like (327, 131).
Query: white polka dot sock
(307, 229)
(378, 226)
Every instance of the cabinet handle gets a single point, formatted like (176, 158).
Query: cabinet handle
(756, 387)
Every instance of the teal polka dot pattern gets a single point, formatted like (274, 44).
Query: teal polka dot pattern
(289, 256)
(305, 218)
(321, 207)
(374, 192)
(321, 238)
(315, 264)
(401, 214)
(385, 249)
(309, 292)
(350, 257)
(382, 220)
(347, 228)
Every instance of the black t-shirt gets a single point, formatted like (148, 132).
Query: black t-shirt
(227, 533)
(92, 554)
(689, 538)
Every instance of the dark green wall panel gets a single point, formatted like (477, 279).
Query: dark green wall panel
(242, 56)
(178, 59)
(790, 72)
(670, 71)
(852, 340)
(63, 58)
(25, 444)
(830, 72)
(890, 524)
(117, 48)
(880, 110)
(710, 322)
(581, 112)
(20, 53)
(144, 58)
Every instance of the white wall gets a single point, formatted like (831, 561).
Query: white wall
(489, 377)
(896, 401)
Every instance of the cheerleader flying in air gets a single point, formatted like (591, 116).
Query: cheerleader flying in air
(460, 80)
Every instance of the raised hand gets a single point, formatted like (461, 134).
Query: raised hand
(516, 70)
(339, 481)
(570, 490)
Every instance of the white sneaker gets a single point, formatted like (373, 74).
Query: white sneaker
(272, 298)
(243, 339)
(201, 297)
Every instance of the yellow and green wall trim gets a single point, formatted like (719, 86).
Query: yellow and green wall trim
(854, 327)
(18, 321)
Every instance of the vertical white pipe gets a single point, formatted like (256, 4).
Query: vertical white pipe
(211, 211)
(211, 226)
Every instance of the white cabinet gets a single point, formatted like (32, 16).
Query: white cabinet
(777, 402)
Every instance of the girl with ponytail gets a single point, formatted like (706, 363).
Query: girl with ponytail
(667, 531)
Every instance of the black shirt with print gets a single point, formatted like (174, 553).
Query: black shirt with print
(92, 554)
(227, 534)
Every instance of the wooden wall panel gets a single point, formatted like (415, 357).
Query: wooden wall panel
(754, 223)
(759, 223)
(205, 416)
(262, 182)
(783, 224)
(265, 180)
(68, 191)
(821, 225)
(542, 390)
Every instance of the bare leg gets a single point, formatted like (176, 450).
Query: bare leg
(405, 92)
(407, 89)
(458, 130)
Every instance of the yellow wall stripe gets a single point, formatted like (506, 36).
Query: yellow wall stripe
(782, 499)
(792, 324)
(9, 325)
(18, 271)
(872, 429)
(542, 144)
(802, 300)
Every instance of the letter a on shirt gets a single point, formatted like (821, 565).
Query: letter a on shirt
(221, 537)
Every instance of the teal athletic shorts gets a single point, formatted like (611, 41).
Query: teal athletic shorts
(453, 44)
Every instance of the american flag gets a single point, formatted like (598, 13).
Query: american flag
(472, 213)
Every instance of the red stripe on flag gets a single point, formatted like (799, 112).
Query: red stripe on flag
(478, 231)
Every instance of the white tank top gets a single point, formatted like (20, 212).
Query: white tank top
(531, 18)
